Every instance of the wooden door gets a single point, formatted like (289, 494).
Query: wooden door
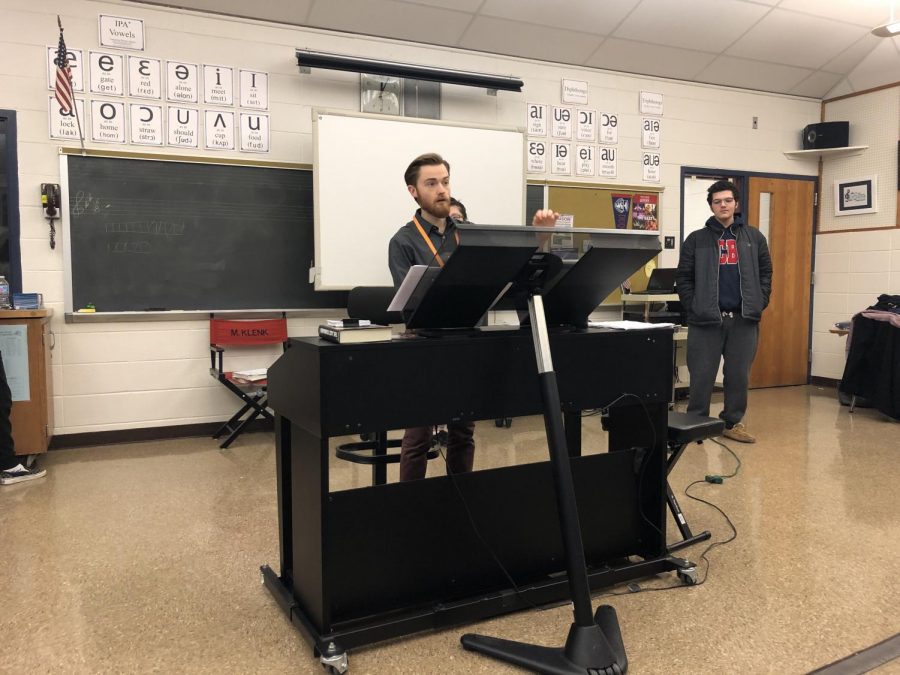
(783, 209)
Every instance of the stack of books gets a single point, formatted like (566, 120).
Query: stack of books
(353, 331)
(251, 375)
(28, 300)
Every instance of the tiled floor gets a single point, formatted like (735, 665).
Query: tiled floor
(145, 557)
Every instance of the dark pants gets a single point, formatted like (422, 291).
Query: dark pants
(735, 340)
(417, 441)
(8, 458)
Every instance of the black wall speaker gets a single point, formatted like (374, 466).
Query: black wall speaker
(826, 135)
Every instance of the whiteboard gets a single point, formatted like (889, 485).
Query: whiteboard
(361, 198)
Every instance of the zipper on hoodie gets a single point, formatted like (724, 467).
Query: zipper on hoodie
(737, 245)
(718, 253)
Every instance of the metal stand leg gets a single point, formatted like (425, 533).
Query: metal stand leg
(688, 538)
(594, 645)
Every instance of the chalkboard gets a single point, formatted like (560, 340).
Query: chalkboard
(151, 235)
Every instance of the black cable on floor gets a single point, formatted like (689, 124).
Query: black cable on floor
(634, 588)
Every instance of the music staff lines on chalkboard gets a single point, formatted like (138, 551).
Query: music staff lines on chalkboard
(130, 247)
(153, 227)
(198, 206)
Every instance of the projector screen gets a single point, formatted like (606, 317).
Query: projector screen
(361, 198)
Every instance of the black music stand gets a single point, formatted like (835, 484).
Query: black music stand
(489, 261)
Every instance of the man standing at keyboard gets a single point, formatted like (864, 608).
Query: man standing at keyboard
(724, 280)
(417, 243)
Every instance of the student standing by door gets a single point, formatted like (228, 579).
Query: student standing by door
(724, 280)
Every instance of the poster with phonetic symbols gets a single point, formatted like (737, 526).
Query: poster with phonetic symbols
(585, 160)
(536, 114)
(609, 128)
(586, 126)
(537, 156)
(561, 122)
(561, 158)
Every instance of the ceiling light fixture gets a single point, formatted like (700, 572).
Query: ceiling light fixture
(887, 30)
(890, 29)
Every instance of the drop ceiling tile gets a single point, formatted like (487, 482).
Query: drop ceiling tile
(881, 66)
(848, 59)
(866, 13)
(459, 5)
(752, 74)
(586, 16)
(817, 85)
(280, 12)
(389, 18)
(776, 38)
(706, 25)
(842, 89)
(649, 59)
(501, 36)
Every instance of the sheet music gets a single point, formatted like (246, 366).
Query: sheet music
(628, 325)
(410, 281)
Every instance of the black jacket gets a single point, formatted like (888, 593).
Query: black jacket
(697, 278)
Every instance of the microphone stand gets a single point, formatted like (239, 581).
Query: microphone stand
(594, 645)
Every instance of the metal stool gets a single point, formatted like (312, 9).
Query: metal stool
(373, 450)
(684, 429)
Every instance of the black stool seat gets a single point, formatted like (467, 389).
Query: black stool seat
(688, 427)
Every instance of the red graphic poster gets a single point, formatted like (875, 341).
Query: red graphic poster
(644, 216)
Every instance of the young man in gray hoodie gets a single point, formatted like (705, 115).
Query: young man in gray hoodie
(724, 280)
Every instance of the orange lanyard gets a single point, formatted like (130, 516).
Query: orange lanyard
(430, 243)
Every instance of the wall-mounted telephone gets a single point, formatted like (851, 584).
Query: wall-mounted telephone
(50, 201)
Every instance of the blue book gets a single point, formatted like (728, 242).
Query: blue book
(28, 300)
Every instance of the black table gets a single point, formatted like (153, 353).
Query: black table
(367, 564)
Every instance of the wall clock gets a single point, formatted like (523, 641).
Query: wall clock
(380, 94)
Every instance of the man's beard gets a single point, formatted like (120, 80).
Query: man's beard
(439, 209)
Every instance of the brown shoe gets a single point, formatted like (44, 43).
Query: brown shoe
(739, 433)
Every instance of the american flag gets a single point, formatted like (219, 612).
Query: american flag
(64, 94)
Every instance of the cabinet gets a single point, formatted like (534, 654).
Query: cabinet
(27, 361)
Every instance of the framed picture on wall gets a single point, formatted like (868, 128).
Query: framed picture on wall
(856, 195)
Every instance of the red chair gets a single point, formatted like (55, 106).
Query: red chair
(243, 333)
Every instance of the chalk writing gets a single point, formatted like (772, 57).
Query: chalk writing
(87, 203)
(152, 227)
(129, 247)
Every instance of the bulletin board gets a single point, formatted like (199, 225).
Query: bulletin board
(610, 206)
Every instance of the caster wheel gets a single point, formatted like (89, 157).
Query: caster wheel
(335, 665)
(498, 423)
(507, 422)
(334, 662)
(688, 576)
